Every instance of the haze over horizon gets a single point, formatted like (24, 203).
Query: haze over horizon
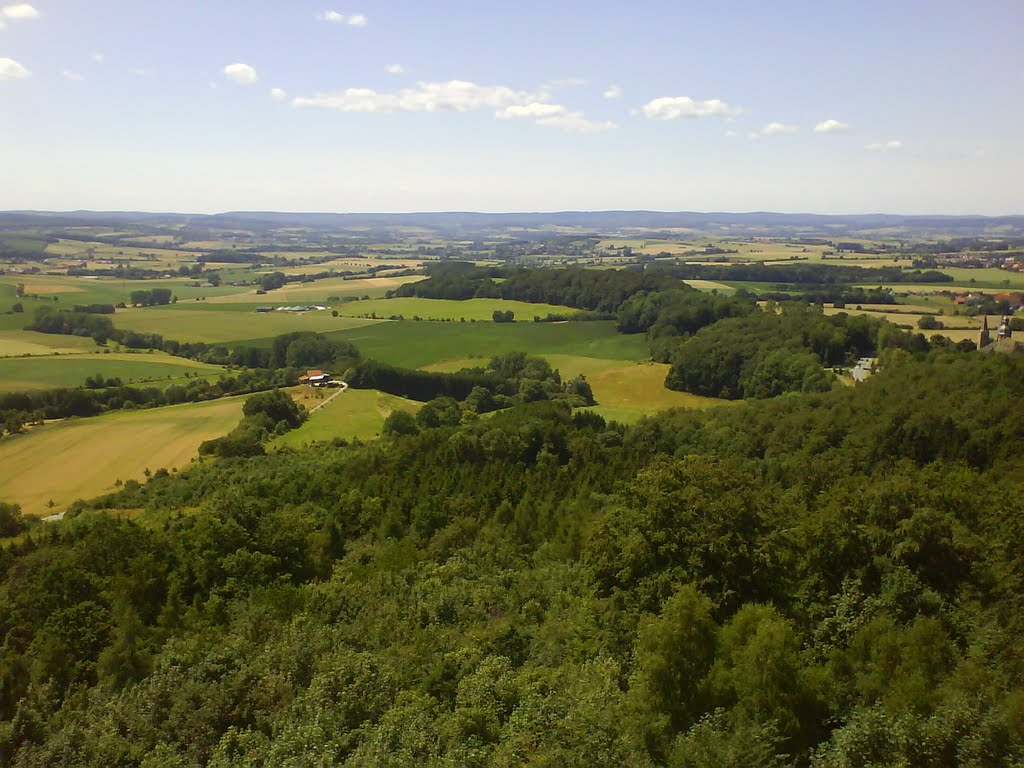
(340, 106)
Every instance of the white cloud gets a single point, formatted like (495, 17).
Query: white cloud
(3, 24)
(333, 17)
(731, 134)
(141, 72)
(676, 107)
(278, 94)
(12, 70)
(241, 74)
(775, 129)
(885, 146)
(98, 58)
(70, 74)
(457, 96)
(831, 126)
(20, 11)
(613, 92)
(394, 69)
(453, 95)
(554, 115)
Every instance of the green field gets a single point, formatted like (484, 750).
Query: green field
(352, 414)
(81, 458)
(410, 344)
(445, 309)
(153, 368)
(183, 324)
(19, 343)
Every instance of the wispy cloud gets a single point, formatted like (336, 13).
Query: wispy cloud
(278, 94)
(775, 129)
(885, 146)
(70, 74)
(394, 69)
(19, 11)
(457, 96)
(554, 115)
(333, 17)
(12, 70)
(731, 134)
(831, 126)
(141, 72)
(680, 107)
(99, 58)
(612, 92)
(241, 74)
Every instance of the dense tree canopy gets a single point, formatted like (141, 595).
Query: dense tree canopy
(830, 579)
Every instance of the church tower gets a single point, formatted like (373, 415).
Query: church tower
(986, 338)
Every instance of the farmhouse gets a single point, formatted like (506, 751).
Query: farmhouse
(316, 378)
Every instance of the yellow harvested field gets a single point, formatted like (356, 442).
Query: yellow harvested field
(624, 391)
(319, 289)
(709, 285)
(35, 286)
(82, 458)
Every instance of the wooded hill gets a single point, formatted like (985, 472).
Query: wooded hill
(827, 579)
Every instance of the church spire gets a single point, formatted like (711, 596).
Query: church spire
(986, 337)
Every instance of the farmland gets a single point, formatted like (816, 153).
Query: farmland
(82, 458)
(185, 324)
(152, 368)
(441, 309)
(413, 344)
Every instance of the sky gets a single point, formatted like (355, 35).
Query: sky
(892, 106)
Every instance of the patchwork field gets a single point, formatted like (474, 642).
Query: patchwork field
(410, 344)
(319, 291)
(183, 324)
(443, 309)
(109, 290)
(82, 458)
(152, 368)
(353, 414)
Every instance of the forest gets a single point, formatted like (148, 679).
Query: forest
(821, 579)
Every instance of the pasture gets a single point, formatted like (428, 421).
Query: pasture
(82, 458)
(353, 414)
(184, 324)
(109, 290)
(410, 344)
(445, 309)
(149, 368)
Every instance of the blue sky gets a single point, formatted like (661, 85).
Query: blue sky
(903, 106)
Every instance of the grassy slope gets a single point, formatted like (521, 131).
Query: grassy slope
(16, 343)
(82, 458)
(355, 413)
(25, 373)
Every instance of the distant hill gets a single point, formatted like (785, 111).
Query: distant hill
(465, 223)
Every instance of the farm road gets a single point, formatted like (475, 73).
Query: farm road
(344, 386)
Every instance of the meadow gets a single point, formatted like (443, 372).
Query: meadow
(14, 343)
(318, 291)
(151, 368)
(82, 458)
(355, 414)
(182, 323)
(412, 344)
(444, 309)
